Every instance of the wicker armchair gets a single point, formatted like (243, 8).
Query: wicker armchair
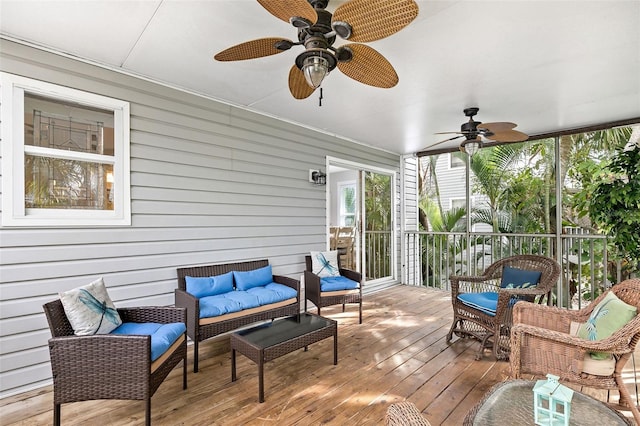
(321, 298)
(106, 366)
(494, 328)
(542, 342)
(405, 413)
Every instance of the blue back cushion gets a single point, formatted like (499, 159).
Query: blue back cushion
(209, 286)
(256, 278)
(519, 278)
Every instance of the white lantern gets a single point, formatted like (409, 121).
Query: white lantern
(551, 402)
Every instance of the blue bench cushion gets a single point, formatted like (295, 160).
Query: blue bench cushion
(337, 283)
(213, 306)
(235, 301)
(486, 302)
(162, 335)
(256, 278)
(284, 292)
(244, 298)
(209, 286)
(519, 278)
(272, 293)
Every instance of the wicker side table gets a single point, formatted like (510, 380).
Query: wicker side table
(280, 337)
(513, 400)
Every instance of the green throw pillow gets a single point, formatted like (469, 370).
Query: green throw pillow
(610, 315)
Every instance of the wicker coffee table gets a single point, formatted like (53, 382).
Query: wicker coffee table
(511, 403)
(280, 337)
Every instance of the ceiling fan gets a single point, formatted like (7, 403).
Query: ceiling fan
(476, 133)
(359, 21)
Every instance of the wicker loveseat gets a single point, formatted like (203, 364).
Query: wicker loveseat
(205, 321)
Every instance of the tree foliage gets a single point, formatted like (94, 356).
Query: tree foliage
(613, 202)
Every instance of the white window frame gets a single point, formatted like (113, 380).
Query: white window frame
(14, 213)
(453, 200)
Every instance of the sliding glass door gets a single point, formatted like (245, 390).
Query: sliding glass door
(361, 218)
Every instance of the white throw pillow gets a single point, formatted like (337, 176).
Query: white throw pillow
(325, 263)
(90, 310)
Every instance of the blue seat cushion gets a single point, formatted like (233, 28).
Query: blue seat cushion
(213, 306)
(256, 278)
(285, 292)
(245, 299)
(272, 293)
(162, 335)
(519, 278)
(337, 283)
(486, 302)
(209, 286)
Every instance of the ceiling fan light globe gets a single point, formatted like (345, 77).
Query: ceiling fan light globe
(315, 68)
(471, 147)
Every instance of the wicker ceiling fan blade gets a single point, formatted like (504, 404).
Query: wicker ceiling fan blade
(372, 20)
(298, 85)
(508, 136)
(446, 140)
(287, 9)
(251, 49)
(500, 126)
(369, 67)
(425, 151)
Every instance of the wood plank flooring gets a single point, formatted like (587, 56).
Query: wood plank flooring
(398, 353)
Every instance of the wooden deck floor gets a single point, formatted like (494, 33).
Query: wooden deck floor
(398, 353)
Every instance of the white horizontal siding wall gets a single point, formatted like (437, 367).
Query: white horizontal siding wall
(410, 216)
(210, 183)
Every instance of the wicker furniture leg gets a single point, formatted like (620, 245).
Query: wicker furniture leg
(261, 376)
(233, 365)
(195, 355)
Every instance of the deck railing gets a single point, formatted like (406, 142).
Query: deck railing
(431, 257)
(378, 254)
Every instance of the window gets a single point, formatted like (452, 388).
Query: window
(65, 156)
(458, 203)
(456, 160)
(347, 192)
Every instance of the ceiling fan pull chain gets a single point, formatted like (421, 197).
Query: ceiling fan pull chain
(320, 98)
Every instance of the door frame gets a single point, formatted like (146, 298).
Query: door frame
(363, 167)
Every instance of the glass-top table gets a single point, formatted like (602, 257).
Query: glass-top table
(511, 403)
(269, 341)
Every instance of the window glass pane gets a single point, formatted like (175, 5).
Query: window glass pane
(347, 205)
(456, 160)
(67, 184)
(349, 200)
(63, 125)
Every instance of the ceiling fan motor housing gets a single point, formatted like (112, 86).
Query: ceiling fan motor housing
(470, 128)
(318, 30)
(319, 4)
